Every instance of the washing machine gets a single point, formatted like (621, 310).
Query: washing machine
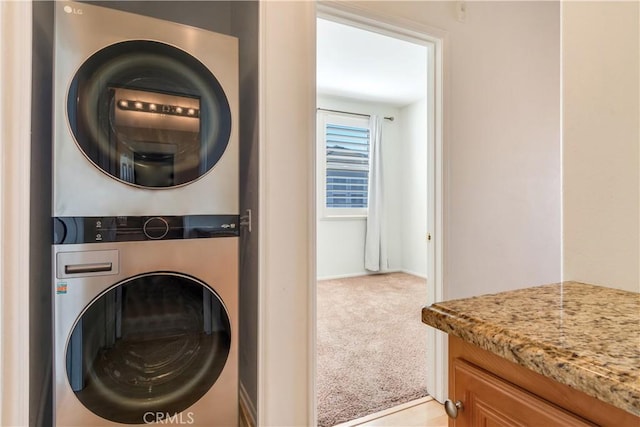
(145, 116)
(146, 320)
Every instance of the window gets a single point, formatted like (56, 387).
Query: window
(343, 156)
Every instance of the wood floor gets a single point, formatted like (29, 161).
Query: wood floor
(425, 412)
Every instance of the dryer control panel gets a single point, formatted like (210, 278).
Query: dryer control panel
(74, 230)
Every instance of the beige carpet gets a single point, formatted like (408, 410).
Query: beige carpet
(371, 345)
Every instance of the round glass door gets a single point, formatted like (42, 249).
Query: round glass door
(155, 343)
(148, 114)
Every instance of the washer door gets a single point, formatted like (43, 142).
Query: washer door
(148, 114)
(154, 343)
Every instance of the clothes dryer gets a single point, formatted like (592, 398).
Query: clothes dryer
(146, 321)
(145, 116)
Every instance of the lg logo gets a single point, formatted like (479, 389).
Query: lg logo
(69, 9)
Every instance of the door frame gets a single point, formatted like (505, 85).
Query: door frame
(15, 158)
(436, 41)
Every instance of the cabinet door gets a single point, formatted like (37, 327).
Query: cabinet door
(489, 401)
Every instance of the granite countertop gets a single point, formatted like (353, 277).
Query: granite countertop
(584, 336)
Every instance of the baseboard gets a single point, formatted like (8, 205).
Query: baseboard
(413, 273)
(248, 413)
(344, 276)
(360, 274)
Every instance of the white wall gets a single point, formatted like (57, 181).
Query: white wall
(340, 242)
(502, 141)
(601, 163)
(413, 187)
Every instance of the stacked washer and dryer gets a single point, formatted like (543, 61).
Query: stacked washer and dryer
(145, 221)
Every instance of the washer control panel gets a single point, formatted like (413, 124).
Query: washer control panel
(155, 228)
(74, 230)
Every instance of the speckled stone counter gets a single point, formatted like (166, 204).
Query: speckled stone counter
(584, 336)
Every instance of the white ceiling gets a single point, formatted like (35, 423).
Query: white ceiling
(364, 65)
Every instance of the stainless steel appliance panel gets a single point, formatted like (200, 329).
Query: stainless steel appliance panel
(209, 261)
(80, 188)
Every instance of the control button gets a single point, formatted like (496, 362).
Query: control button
(155, 228)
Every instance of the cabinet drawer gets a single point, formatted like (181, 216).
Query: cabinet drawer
(490, 401)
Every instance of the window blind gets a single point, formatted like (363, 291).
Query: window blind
(347, 168)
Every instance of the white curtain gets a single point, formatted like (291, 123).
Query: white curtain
(375, 249)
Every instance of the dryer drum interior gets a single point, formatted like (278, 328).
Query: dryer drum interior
(148, 114)
(154, 343)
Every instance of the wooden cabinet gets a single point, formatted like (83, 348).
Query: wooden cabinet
(491, 401)
(495, 392)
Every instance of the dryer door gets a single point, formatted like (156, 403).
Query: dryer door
(154, 343)
(148, 114)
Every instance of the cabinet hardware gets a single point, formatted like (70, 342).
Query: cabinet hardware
(452, 408)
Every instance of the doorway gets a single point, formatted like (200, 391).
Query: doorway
(406, 102)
